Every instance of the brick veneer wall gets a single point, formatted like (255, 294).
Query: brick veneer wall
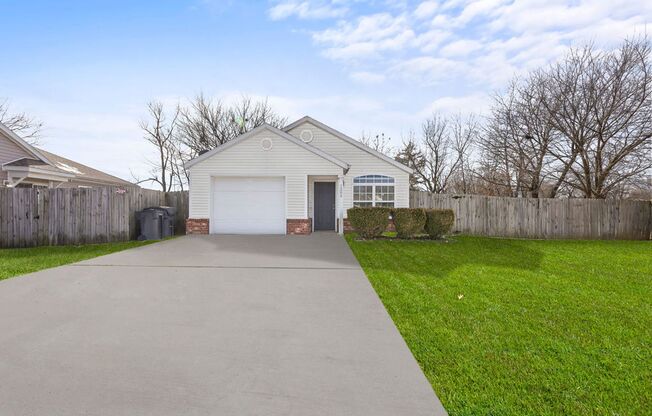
(197, 226)
(299, 226)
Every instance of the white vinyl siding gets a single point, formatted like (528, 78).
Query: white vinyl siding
(362, 163)
(248, 158)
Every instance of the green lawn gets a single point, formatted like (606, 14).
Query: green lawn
(514, 327)
(17, 261)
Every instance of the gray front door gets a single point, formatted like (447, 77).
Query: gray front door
(324, 206)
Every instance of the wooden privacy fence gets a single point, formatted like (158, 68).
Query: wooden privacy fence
(179, 200)
(543, 217)
(33, 217)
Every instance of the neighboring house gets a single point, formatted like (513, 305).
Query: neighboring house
(24, 165)
(296, 180)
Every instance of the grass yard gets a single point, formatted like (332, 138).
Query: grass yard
(515, 327)
(17, 261)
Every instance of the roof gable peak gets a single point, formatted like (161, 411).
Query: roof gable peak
(278, 132)
(10, 135)
(348, 139)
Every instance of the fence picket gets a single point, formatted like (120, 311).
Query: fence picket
(32, 217)
(543, 218)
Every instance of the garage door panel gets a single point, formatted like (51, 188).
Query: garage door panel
(243, 185)
(248, 205)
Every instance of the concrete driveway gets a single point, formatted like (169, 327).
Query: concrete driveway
(210, 325)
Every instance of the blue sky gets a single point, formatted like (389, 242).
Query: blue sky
(88, 68)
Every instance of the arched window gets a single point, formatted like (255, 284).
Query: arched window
(373, 191)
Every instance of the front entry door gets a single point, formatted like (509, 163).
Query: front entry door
(325, 206)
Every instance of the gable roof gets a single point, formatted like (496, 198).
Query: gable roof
(83, 172)
(7, 132)
(56, 164)
(276, 131)
(354, 142)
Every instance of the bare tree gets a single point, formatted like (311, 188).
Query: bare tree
(379, 142)
(188, 131)
(160, 131)
(618, 146)
(582, 126)
(465, 132)
(517, 140)
(247, 114)
(26, 127)
(205, 124)
(202, 125)
(441, 157)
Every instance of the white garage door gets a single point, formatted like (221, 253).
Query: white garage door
(248, 206)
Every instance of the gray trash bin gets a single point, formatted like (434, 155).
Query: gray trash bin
(156, 223)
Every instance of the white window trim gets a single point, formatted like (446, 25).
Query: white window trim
(373, 190)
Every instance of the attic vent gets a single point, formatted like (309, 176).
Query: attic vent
(306, 136)
(266, 144)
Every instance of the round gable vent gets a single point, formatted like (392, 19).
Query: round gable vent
(266, 144)
(306, 136)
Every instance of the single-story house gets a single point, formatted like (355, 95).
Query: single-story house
(23, 165)
(297, 180)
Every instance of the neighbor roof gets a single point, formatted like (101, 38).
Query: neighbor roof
(276, 131)
(45, 160)
(22, 143)
(354, 142)
(81, 171)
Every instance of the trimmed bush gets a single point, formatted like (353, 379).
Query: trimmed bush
(409, 221)
(439, 222)
(369, 222)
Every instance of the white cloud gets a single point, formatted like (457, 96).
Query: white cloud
(462, 47)
(427, 70)
(426, 9)
(306, 10)
(468, 48)
(367, 28)
(482, 42)
(477, 9)
(474, 103)
(367, 37)
(431, 40)
(367, 77)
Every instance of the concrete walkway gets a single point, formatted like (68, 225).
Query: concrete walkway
(228, 325)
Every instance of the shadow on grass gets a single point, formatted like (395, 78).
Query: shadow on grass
(439, 258)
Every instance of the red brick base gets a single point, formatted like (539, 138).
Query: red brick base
(197, 226)
(299, 226)
(349, 229)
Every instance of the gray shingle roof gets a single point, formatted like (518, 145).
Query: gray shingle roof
(83, 172)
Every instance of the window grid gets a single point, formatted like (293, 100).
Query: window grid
(373, 191)
(373, 179)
